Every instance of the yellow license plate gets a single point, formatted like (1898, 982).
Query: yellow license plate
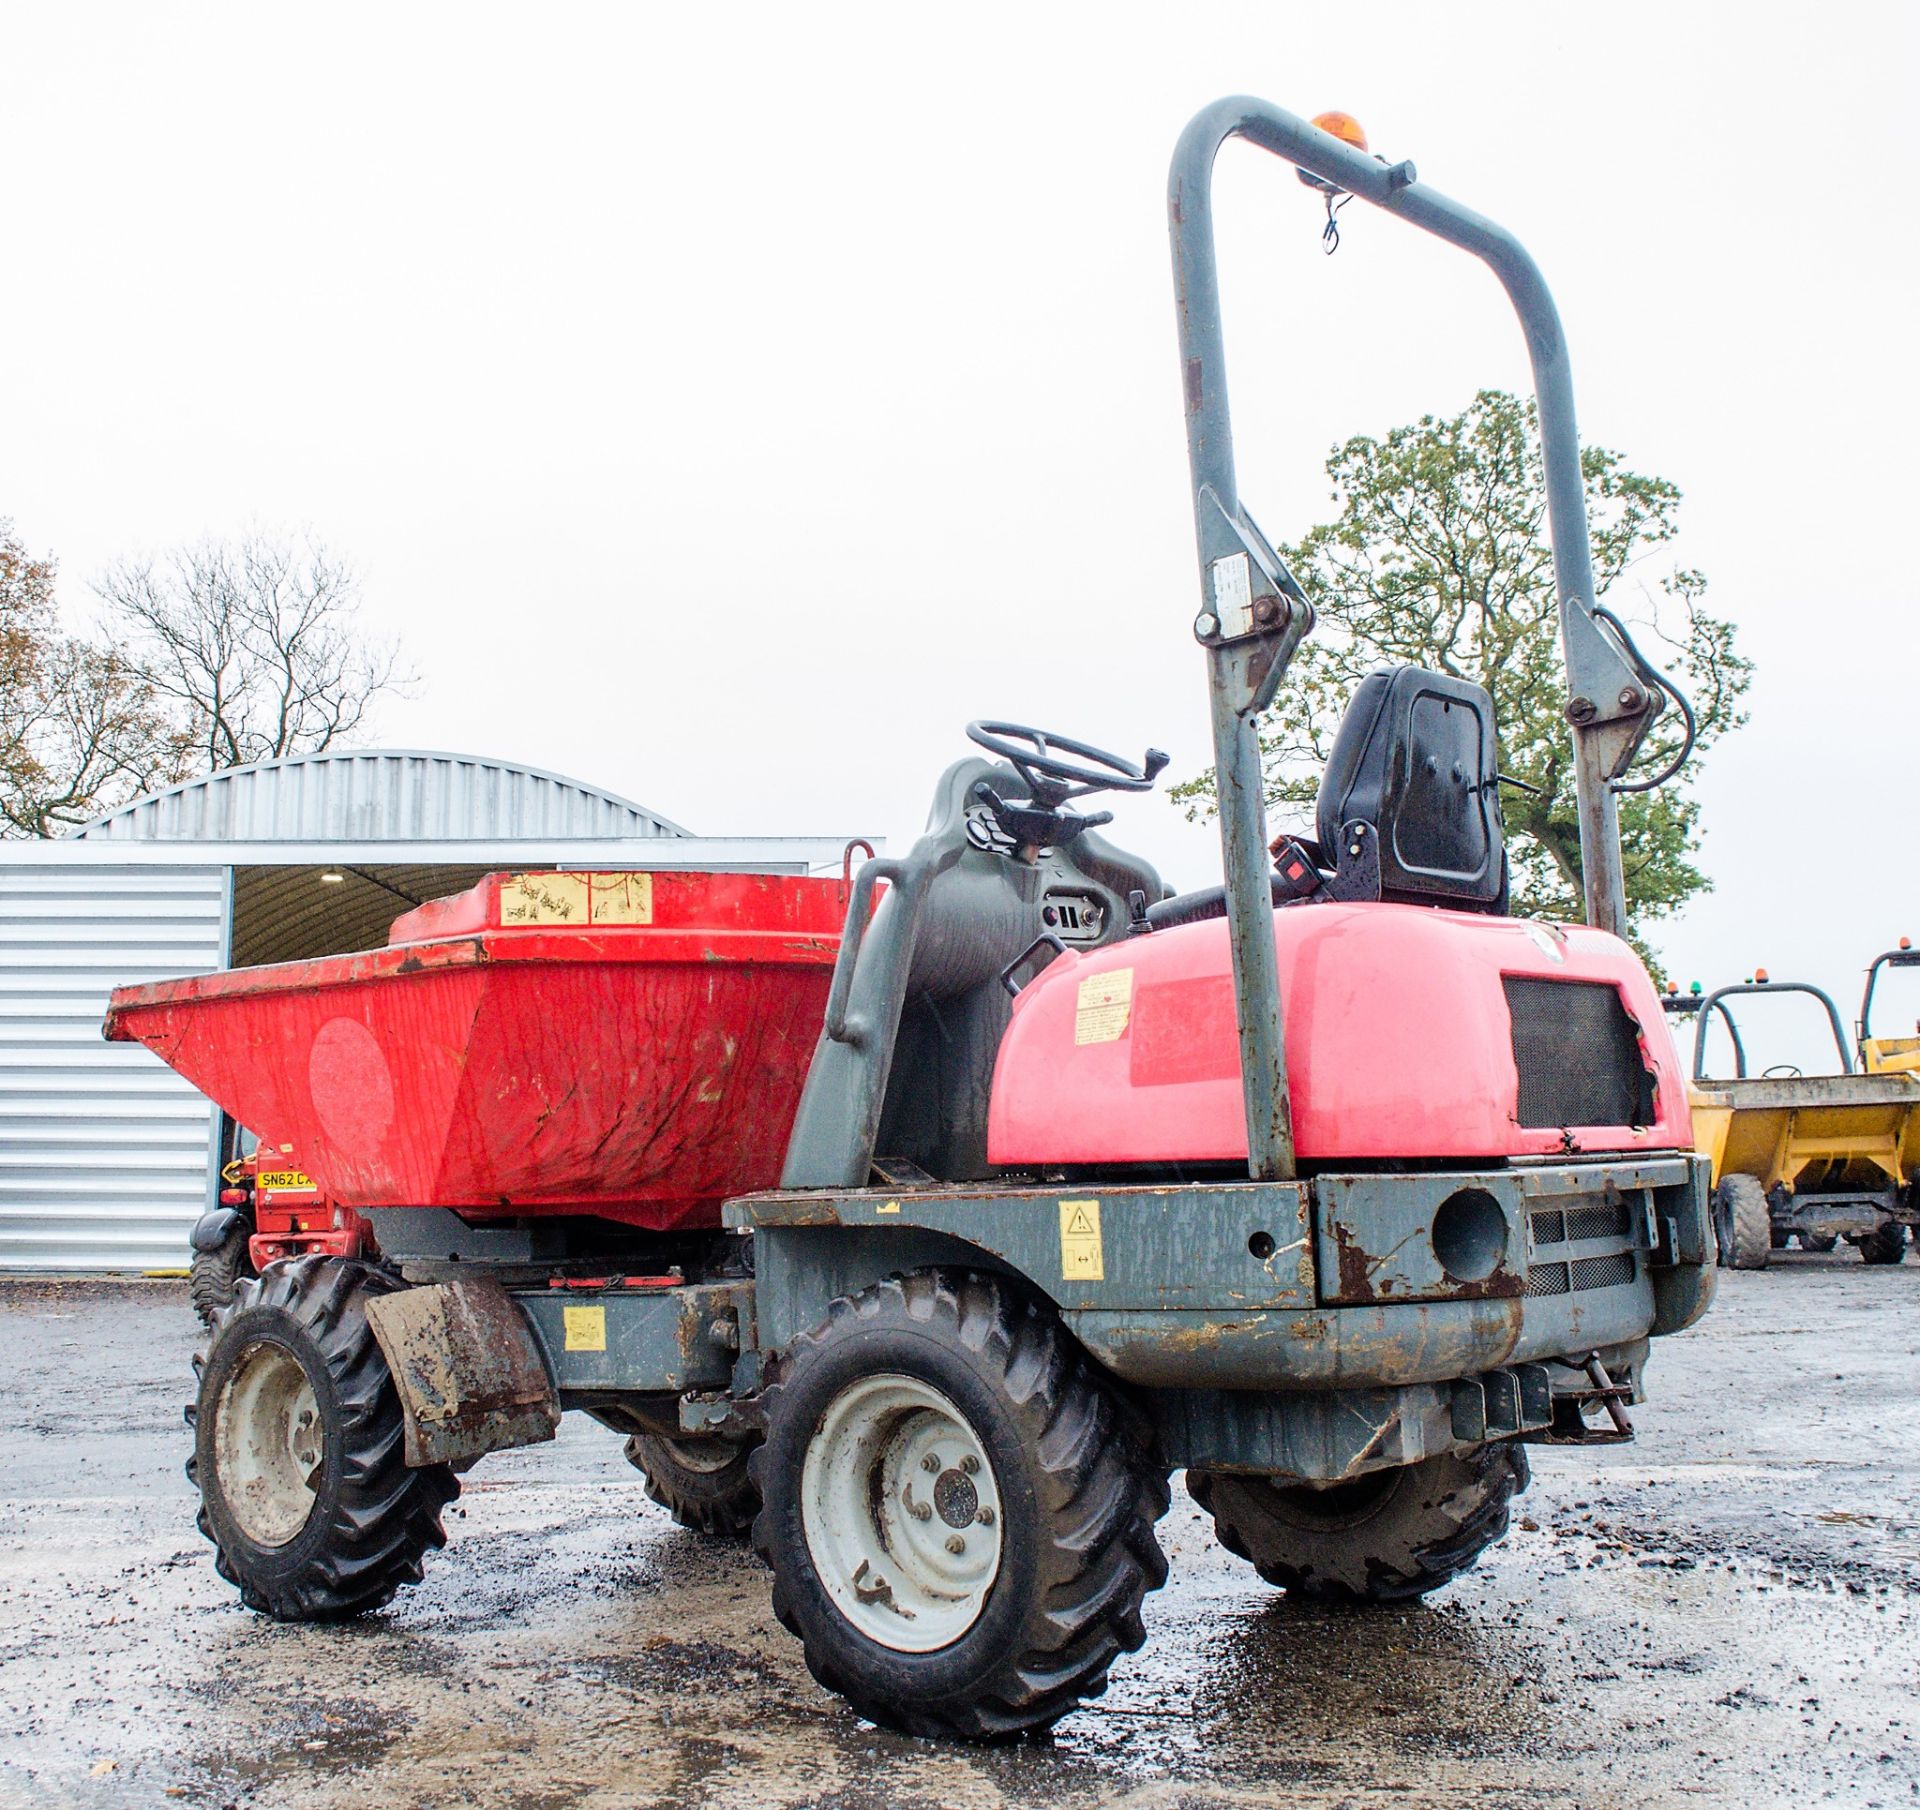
(284, 1181)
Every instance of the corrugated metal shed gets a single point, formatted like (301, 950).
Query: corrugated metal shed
(105, 1153)
(378, 796)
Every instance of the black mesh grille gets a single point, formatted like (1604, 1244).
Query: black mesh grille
(1578, 1054)
(1603, 1272)
(1609, 1220)
(1547, 1279)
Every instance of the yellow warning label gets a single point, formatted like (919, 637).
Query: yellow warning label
(586, 1328)
(577, 899)
(1081, 1259)
(1102, 1005)
(544, 899)
(621, 898)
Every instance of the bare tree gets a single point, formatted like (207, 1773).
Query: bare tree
(252, 647)
(80, 731)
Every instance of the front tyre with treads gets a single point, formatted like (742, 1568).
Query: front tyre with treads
(298, 1448)
(958, 1508)
(1385, 1536)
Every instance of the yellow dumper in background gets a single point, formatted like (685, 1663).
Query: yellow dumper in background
(1816, 1158)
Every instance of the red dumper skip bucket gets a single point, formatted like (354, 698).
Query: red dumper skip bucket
(631, 1045)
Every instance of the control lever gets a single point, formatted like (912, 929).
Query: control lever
(1033, 825)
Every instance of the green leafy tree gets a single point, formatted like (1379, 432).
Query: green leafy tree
(1438, 557)
(79, 731)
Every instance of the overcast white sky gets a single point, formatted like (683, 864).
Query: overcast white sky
(725, 404)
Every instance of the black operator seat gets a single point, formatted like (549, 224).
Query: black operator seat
(1408, 808)
(1415, 765)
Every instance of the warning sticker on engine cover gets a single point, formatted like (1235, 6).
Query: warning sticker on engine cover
(1081, 1259)
(1102, 1005)
(586, 1328)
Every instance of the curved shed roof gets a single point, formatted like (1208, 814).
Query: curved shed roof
(378, 795)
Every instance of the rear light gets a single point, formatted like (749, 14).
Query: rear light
(233, 1197)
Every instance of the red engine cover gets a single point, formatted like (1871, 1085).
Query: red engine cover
(1399, 1043)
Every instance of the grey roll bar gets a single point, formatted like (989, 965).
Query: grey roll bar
(1893, 958)
(1254, 615)
(1721, 994)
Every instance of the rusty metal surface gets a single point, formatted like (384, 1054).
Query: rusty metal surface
(1375, 1237)
(470, 1375)
(1221, 1245)
(649, 1341)
(1542, 1178)
(1184, 1298)
(1329, 1436)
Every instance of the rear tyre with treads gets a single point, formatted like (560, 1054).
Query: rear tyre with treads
(703, 1483)
(1386, 1536)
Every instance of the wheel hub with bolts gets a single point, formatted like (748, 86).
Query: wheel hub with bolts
(900, 1509)
(270, 1444)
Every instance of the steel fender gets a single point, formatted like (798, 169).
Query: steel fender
(1331, 1348)
(468, 1368)
(1357, 1347)
(212, 1229)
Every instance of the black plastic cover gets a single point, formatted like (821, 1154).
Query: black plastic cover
(1416, 758)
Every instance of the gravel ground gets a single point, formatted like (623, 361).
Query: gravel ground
(1725, 1612)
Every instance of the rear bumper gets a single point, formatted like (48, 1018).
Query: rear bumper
(1326, 1284)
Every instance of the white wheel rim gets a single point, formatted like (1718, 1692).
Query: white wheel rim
(902, 1513)
(268, 1444)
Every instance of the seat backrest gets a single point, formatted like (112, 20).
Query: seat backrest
(1415, 757)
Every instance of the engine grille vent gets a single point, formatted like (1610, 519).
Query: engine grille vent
(1561, 1272)
(1580, 1275)
(1578, 1055)
(1556, 1225)
(1602, 1272)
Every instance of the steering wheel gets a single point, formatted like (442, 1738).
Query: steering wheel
(1781, 1071)
(1036, 755)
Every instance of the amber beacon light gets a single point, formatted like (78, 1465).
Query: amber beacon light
(1344, 127)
